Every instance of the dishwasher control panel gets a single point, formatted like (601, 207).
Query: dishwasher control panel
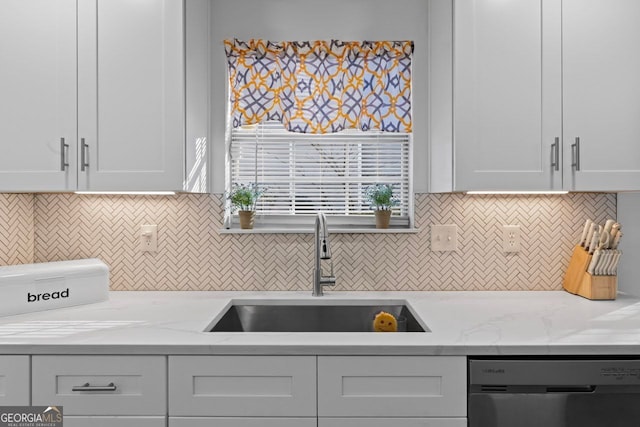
(546, 372)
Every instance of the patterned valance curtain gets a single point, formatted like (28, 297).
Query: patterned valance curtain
(321, 86)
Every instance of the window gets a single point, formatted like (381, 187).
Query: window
(316, 123)
(307, 173)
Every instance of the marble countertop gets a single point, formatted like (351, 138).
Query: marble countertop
(461, 323)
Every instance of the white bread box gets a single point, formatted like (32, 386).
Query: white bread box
(45, 286)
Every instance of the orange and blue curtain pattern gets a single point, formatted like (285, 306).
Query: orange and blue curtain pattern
(321, 86)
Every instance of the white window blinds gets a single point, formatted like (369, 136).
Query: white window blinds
(307, 173)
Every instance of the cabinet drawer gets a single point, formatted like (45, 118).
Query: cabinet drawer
(391, 386)
(249, 386)
(140, 384)
(241, 422)
(114, 421)
(14, 380)
(395, 422)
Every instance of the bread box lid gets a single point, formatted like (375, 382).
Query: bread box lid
(45, 286)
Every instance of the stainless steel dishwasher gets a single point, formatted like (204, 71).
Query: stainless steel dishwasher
(554, 392)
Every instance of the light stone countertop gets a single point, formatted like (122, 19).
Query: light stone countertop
(461, 323)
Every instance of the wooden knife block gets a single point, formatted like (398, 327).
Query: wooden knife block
(578, 281)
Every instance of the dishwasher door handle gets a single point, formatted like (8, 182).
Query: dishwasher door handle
(572, 389)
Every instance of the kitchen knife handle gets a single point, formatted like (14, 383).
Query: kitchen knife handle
(575, 152)
(592, 229)
(63, 155)
(595, 238)
(83, 155)
(616, 240)
(594, 261)
(614, 266)
(585, 232)
(555, 154)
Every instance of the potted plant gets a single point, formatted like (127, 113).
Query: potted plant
(381, 199)
(243, 198)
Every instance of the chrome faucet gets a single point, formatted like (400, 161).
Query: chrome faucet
(323, 251)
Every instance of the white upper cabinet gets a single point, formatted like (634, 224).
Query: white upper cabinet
(601, 66)
(130, 94)
(37, 95)
(507, 95)
(533, 77)
(124, 128)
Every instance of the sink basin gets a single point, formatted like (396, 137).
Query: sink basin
(308, 316)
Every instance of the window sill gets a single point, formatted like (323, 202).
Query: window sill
(336, 230)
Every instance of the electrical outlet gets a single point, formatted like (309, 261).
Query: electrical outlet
(511, 239)
(444, 238)
(149, 238)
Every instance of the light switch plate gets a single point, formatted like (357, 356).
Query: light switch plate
(444, 238)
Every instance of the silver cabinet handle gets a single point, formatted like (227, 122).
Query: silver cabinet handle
(575, 153)
(89, 387)
(83, 155)
(555, 153)
(63, 155)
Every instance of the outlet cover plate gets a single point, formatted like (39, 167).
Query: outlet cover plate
(511, 239)
(444, 237)
(149, 238)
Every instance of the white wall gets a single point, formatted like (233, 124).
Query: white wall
(629, 217)
(280, 20)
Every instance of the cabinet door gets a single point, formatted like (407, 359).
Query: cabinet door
(396, 422)
(242, 386)
(14, 380)
(131, 94)
(114, 421)
(601, 65)
(392, 386)
(507, 95)
(101, 385)
(241, 422)
(38, 95)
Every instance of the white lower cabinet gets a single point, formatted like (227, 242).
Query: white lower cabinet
(14, 380)
(242, 386)
(395, 422)
(352, 391)
(392, 386)
(102, 386)
(242, 391)
(71, 421)
(241, 422)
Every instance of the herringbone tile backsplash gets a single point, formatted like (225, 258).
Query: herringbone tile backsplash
(193, 255)
(16, 228)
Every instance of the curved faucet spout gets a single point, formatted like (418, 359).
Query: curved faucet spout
(323, 236)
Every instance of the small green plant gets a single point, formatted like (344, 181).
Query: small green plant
(380, 197)
(243, 197)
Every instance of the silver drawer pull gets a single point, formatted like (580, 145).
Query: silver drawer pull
(576, 154)
(63, 155)
(89, 387)
(84, 162)
(555, 154)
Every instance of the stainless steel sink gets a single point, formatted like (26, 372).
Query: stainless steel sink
(307, 316)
